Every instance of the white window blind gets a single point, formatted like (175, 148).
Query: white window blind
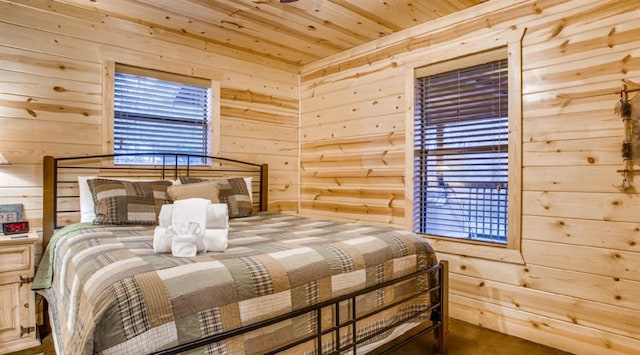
(159, 112)
(461, 153)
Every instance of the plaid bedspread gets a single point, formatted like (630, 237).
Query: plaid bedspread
(110, 293)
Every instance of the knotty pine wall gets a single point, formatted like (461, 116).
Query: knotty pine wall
(577, 287)
(51, 87)
(579, 284)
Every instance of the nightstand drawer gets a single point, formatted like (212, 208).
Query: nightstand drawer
(15, 258)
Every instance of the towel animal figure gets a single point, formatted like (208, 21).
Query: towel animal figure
(174, 220)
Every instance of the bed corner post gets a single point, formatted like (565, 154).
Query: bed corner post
(264, 187)
(443, 330)
(48, 198)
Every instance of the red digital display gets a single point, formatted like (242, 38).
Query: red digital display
(15, 227)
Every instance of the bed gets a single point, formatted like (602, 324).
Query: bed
(285, 284)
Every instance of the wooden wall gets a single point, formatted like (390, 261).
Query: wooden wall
(51, 82)
(578, 286)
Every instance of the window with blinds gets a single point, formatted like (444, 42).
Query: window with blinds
(159, 112)
(461, 162)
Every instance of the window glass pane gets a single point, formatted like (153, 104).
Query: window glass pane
(461, 153)
(153, 115)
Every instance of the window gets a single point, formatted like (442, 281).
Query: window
(160, 112)
(461, 157)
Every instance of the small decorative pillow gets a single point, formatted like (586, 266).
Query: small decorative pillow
(128, 202)
(232, 191)
(207, 189)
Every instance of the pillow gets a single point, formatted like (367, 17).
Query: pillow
(189, 180)
(128, 202)
(87, 210)
(207, 189)
(232, 191)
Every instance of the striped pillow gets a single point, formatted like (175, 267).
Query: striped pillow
(232, 191)
(128, 202)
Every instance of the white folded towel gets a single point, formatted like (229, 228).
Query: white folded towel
(162, 240)
(190, 210)
(217, 215)
(184, 238)
(216, 239)
(164, 218)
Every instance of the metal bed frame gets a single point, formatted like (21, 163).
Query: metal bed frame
(57, 173)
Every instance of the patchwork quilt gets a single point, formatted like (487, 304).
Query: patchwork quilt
(109, 293)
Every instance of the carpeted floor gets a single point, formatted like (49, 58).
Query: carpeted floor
(464, 339)
(468, 339)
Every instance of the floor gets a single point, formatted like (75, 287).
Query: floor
(464, 339)
(468, 339)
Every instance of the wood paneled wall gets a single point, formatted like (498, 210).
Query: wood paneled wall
(578, 286)
(51, 88)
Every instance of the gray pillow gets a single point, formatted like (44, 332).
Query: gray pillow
(128, 202)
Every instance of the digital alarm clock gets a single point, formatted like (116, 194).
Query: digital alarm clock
(15, 227)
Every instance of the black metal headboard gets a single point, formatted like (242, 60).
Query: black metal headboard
(60, 178)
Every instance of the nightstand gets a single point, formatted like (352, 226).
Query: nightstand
(17, 317)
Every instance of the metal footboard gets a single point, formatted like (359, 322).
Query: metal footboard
(439, 319)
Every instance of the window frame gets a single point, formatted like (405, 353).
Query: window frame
(168, 68)
(467, 56)
(144, 73)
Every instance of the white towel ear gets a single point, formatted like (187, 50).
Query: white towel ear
(192, 228)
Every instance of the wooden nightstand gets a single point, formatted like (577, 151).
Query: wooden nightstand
(17, 317)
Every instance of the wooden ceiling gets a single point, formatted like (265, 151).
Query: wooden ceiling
(291, 33)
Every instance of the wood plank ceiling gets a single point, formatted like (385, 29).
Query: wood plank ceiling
(289, 34)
